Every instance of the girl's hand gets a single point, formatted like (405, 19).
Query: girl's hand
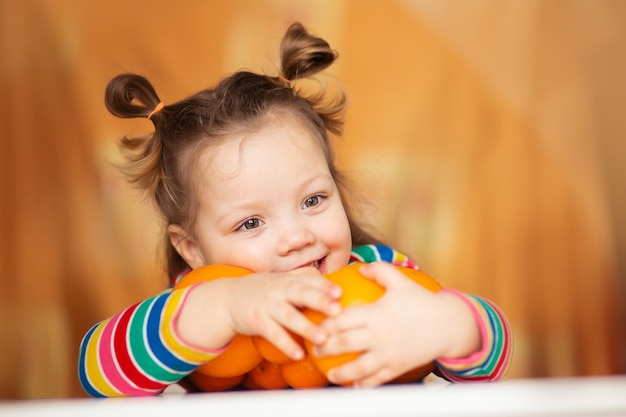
(264, 304)
(407, 327)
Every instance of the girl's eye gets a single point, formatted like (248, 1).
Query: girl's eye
(250, 224)
(313, 201)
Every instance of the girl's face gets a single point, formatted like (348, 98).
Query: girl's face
(267, 203)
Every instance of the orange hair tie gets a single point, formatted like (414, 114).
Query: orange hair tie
(156, 109)
(284, 80)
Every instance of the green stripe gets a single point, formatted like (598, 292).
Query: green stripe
(139, 349)
(367, 253)
(497, 329)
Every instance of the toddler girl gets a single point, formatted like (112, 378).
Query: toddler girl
(244, 175)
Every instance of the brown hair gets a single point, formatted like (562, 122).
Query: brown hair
(161, 163)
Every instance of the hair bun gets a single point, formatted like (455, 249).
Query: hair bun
(125, 90)
(302, 54)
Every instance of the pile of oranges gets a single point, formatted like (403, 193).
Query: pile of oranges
(253, 362)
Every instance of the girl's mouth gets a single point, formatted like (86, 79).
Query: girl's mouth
(318, 264)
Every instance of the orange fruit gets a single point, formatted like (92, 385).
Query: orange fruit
(241, 356)
(255, 363)
(414, 374)
(209, 273)
(272, 353)
(357, 290)
(303, 374)
(421, 278)
(209, 383)
(267, 375)
(249, 383)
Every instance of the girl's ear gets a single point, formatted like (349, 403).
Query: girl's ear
(186, 246)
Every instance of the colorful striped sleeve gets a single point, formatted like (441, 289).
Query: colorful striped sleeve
(376, 253)
(137, 351)
(491, 362)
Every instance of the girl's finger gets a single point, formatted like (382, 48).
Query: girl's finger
(280, 338)
(301, 294)
(358, 340)
(312, 277)
(383, 273)
(295, 321)
(357, 370)
(353, 317)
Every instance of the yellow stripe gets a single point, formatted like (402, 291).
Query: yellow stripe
(174, 344)
(94, 372)
(400, 257)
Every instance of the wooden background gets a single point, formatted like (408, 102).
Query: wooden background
(489, 136)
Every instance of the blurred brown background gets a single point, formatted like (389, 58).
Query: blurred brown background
(489, 136)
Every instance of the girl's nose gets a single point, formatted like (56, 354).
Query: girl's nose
(294, 238)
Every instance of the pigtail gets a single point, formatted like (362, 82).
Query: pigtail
(132, 96)
(303, 55)
(150, 158)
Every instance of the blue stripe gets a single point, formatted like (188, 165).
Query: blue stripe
(82, 372)
(153, 333)
(385, 253)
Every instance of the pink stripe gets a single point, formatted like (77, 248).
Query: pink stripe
(503, 362)
(484, 334)
(406, 263)
(109, 363)
(174, 330)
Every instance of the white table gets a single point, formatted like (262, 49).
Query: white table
(590, 396)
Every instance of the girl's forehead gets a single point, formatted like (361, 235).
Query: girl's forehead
(272, 145)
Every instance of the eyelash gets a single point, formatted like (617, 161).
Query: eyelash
(242, 226)
(319, 196)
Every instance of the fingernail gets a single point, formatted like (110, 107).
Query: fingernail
(336, 291)
(319, 336)
(297, 354)
(334, 309)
